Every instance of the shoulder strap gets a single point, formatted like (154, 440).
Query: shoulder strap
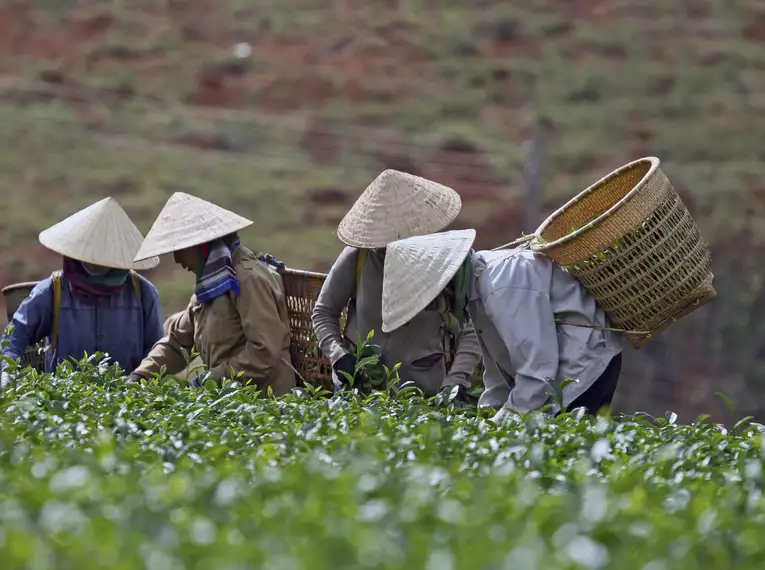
(272, 263)
(361, 261)
(449, 341)
(56, 277)
(136, 283)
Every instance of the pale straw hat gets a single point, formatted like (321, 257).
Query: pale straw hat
(101, 234)
(186, 221)
(397, 205)
(417, 269)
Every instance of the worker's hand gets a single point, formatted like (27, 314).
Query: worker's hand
(347, 364)
(460, 396)
(452, 394)
(135, 378)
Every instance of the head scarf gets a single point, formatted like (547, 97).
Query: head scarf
(215, 271)
(90, 286)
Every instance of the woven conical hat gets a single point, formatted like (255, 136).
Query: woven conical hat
(101, 234)
(397, 205)
(417, 269)
(186, 221)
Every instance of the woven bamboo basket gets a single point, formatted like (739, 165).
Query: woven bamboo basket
(14, 295)
(631, 242)
(301, 290)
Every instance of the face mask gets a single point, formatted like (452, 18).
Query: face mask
(89, 271)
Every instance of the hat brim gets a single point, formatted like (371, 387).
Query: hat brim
(161, 245)
(94, 259)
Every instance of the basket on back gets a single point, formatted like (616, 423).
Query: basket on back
(301, 290)
(14, 295)
(633, 245)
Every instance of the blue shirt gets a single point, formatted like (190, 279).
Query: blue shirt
(120, 325)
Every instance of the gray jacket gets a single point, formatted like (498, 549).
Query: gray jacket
(418, 345)
(515, 298)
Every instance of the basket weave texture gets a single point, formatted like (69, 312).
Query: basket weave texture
(301, 290)
(14, 295)
(631, 242)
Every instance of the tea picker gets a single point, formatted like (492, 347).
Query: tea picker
(620, 262)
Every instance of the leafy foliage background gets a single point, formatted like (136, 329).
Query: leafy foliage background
(95, 473)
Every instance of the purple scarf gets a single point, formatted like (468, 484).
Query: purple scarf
(217, 276)
(92, 287)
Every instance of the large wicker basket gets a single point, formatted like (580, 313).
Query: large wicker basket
(633, 245)
(301, 290)
(14, 295)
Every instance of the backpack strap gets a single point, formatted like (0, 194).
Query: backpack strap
(448, 337)
(136, 283)
(273, 263)
(56, 278)
(361, 261)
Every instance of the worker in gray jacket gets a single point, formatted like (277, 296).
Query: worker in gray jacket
(435, 351)
(537, 325)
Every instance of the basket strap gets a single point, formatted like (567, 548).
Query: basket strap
(136, 284)
(624, 331)
(447, 331)
(56, 277)
(361, 261)
(645, 333)
(519, 241)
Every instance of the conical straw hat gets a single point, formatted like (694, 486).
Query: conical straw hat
(417, 269)
(186, 221)
(397, 205)
(101, 234)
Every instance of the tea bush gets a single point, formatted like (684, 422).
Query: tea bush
(98, 473)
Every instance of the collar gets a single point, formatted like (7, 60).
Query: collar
(479, 266)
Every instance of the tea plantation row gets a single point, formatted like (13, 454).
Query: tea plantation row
(96, 473)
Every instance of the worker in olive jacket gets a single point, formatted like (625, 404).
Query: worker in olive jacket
(237, 317)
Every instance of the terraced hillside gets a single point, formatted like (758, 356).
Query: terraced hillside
(285, 110)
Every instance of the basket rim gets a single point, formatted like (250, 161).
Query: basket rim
(652, 160)
(304, 273)
(17, 286)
